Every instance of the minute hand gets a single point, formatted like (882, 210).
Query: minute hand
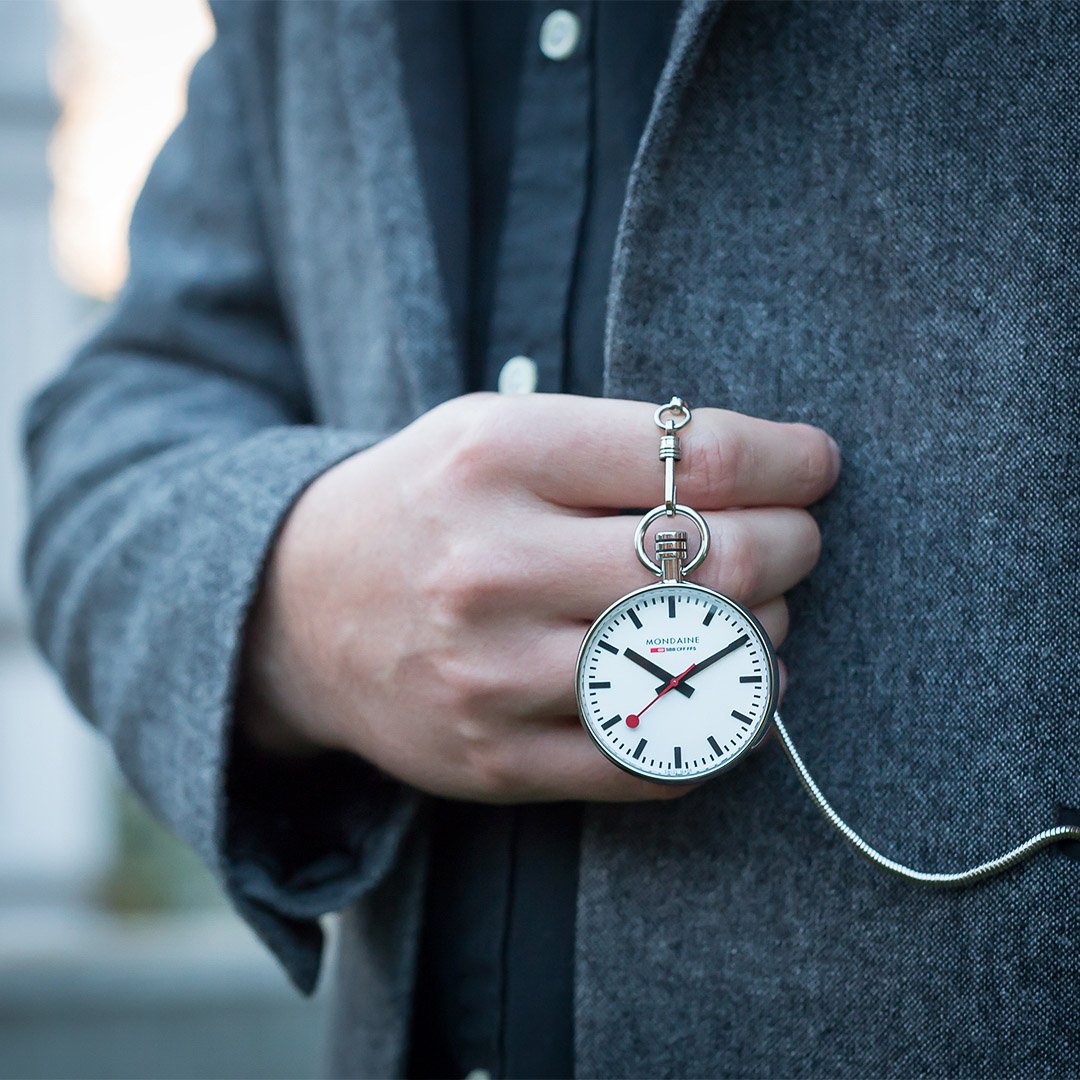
(738, 643)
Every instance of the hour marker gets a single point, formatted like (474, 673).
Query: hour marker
(716, 747)
(640, 747)
(610, 648)
(750, 678)
(633, 618)
(671, 607)
(709, 618)
(678, 757)
(611, 723)
(739, 716)
(599, 686)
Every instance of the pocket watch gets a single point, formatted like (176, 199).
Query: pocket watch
(677, 682)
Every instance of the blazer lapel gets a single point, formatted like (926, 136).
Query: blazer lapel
(622, 366)
(370, 64)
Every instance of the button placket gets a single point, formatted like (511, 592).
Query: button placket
(547, 195)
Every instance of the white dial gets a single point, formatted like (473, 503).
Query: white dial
(675, 681)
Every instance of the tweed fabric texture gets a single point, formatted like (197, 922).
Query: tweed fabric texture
(865, 217)
(859, 215)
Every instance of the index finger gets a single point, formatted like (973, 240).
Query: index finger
(592, 452)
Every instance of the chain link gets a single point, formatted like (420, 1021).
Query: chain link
(954, 879)
(670, 418)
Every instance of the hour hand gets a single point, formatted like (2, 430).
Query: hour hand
(658, 671)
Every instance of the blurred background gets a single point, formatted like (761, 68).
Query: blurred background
(118, 957)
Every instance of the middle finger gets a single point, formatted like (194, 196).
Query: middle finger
(756, 554)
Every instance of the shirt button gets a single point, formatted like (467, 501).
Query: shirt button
(518, 376)
(560, 33)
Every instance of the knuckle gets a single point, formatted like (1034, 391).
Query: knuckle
(713, 465)
(740, 564)
(814, 463)
(466, 581)
(463, 685)
(809, 537)
(441, 592)
(470, 452)
(461, 413)
(483, 437)
(777, 620)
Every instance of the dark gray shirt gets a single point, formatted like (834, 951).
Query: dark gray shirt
(551, 144)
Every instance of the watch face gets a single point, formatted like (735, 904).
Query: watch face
(676, 681)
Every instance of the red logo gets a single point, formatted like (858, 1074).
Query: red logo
(660, 649)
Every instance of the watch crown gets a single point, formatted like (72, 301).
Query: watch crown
(671, 553)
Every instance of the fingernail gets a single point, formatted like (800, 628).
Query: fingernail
(835, 457)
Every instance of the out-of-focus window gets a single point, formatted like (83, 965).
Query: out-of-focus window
(120, 75)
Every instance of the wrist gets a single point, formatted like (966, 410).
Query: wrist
(266, 714)
(265, 727)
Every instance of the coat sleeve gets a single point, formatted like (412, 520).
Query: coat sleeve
(162, 462)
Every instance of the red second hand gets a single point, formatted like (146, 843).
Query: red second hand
(634, 719)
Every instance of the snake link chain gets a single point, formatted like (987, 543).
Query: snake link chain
(672, 417)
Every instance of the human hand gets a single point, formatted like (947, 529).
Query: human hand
(425, 600)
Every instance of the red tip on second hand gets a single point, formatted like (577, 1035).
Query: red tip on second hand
(632, 721)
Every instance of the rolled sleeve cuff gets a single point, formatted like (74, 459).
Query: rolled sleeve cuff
(295, 839)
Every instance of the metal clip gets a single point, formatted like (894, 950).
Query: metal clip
(669, 419)
(670, 452)
(671, 547)
(679, 417)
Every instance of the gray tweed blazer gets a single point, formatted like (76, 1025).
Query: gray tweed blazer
(864, 216)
